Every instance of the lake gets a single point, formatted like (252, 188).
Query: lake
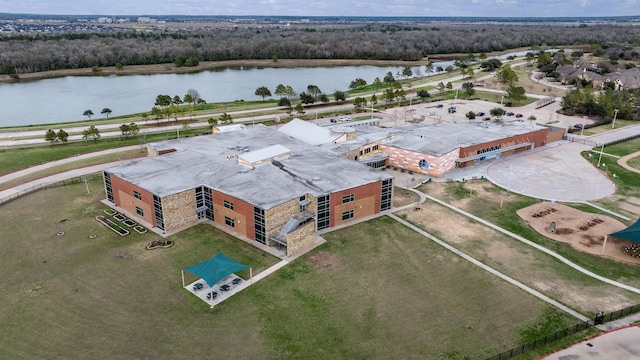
(66, 99)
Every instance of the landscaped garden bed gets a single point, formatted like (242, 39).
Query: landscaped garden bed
(155, 244)
(119, 217)
(140, 229)
(110, 212)
(129, 222)
(113, 226)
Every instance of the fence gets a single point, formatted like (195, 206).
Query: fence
(38, 187)
(601, 318)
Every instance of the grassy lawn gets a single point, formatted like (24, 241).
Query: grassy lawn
(125, 155)
(488, 208)
(626, 200)
(74, 297)
(14, 159)
(375, 290)
(634, 162)
(519, 261)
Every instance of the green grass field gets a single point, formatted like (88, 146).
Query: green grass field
(375, 290)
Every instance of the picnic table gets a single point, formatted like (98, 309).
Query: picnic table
(215, 295)
(225, 287)
(236, 281)
(197, 286)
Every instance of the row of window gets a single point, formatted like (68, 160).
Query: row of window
(492, 148)
(347, 215)
(368, 150)
(348, 198)
(228, 205)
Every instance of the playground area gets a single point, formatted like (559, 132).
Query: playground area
(584, 231)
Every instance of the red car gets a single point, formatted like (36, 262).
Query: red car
(518, 115)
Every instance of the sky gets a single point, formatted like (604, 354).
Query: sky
(457, 8)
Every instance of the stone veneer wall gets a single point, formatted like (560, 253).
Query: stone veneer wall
(179, 210)
(275, 218)
(300, 239)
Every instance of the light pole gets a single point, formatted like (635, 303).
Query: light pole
(600, 157)
(502, 100)
(615, 114)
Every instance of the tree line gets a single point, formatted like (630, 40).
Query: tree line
(26, 53)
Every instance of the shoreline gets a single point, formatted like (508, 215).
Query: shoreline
(170, 68)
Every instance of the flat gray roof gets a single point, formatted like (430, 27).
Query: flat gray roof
(436, 140)
(441, 139)
(211, 160)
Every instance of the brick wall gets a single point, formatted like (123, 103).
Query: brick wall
(366, 202)
(123, 197)
(242, 214)
(410, 160)
(538, 138)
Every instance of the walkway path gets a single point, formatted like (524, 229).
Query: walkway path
(623, 162)
(33, 169)
(492, 270)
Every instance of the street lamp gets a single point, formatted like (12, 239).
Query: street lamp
(600, 157)
(615, 114)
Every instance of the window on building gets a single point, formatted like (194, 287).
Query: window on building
(107, 184)
(323, 212)
(229, 221)
(137, 195)
(385, 195)
(303, 198)
(258, 221)
(347, 215)
(348, 198)
(228, 205)
(374, 148)
(367, 150)
(424, 164)
(139, 211)
(157, 207)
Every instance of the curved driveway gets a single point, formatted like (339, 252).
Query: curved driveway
(559, 172)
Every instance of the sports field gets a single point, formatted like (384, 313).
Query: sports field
(374, 290)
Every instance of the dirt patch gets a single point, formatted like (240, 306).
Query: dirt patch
(584, 231)
(325, 261)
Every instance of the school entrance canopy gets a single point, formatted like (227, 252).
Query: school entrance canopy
(215, 269)
(632, 233)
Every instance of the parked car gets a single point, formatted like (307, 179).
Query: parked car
(510, 113)
(334, 120)
(479, 113)
(452, 109)
(486, 118)
(439, 105)
(578, 126)
(518, 115)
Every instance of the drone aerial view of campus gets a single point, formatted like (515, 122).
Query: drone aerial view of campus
(337, 180)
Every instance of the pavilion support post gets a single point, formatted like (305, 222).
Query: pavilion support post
(604, 244)
(211, 294)
(251, 275)
(182, 271)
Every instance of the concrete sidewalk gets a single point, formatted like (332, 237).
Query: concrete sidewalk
(620, 344)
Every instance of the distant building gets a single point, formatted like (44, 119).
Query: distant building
(105, 20)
